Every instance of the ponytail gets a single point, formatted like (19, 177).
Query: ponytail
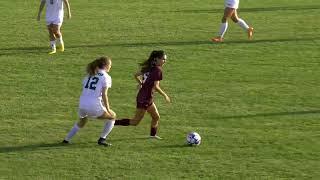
(98, 63)
(151, 61)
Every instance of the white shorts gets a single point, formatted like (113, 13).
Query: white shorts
(231, 4)
(92, 112)
(57, 21)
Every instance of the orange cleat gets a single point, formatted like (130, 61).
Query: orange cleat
(250, 33)
(217, 39)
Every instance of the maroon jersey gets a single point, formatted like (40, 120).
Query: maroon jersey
(145, 94)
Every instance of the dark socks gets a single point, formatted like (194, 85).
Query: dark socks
(122, 122)
(153, 131)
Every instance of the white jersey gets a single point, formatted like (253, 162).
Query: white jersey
(92, 86)
(231, 4)
(54, 11)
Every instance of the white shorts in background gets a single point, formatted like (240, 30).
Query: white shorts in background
(231, 4)
(93, 112)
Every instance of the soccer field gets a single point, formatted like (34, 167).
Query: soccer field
(256, 104)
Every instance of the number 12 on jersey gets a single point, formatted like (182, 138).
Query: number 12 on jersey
(91, 83)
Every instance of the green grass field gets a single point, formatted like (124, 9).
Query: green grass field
(256, 104)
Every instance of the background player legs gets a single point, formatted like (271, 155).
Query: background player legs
(57, 33)
(242, 24)
(224, 24)
(52, 39)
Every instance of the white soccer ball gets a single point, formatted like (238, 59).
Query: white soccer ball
(193, 138)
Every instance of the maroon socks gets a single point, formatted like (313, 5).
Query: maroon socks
(122, 122)
(153, 131)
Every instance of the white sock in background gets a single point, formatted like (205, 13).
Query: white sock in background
(107, 128)
(72, 132)
(243, 24)
(223, 29)
(59, 40)
(53, 45)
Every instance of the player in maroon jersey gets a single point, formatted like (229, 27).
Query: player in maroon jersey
(148, 79)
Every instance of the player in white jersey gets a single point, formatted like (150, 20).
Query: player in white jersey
(54, 19)
(94, 101)
(230, 11)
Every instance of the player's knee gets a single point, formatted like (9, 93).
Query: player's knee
(57, 34)
(112, 115)
(82, 122)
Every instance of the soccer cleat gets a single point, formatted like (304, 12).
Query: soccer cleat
(103, 142)
(52, 52)
(65, 142)
(250, 33)
(217, 39)
(61, 47)
(156, 137)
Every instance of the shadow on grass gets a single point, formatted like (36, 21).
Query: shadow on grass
(280, 40)
(23, 50)
(58, 145)
(37, 50)
(175, 146)
(270, 114)
(142, 44)
(34, 147)
(130, 139)
(258, 9)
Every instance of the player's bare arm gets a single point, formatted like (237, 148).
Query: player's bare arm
(137, 77)
(106, 101)
(43, 2)
(159, 90)
(66, 2)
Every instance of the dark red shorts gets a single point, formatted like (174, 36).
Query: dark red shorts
(144, 105)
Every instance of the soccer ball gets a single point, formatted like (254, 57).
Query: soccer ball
(193, 138)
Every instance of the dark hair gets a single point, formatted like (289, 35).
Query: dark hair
(100, 63)
(151, 61)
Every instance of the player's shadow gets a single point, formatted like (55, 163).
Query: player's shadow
(272, 40)
(294, 113)
(34, 147)
(147, 44)
(130, 139)
(175, 146)
(22, 50)
(257, 9)
(36, 50)
(199, 42)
